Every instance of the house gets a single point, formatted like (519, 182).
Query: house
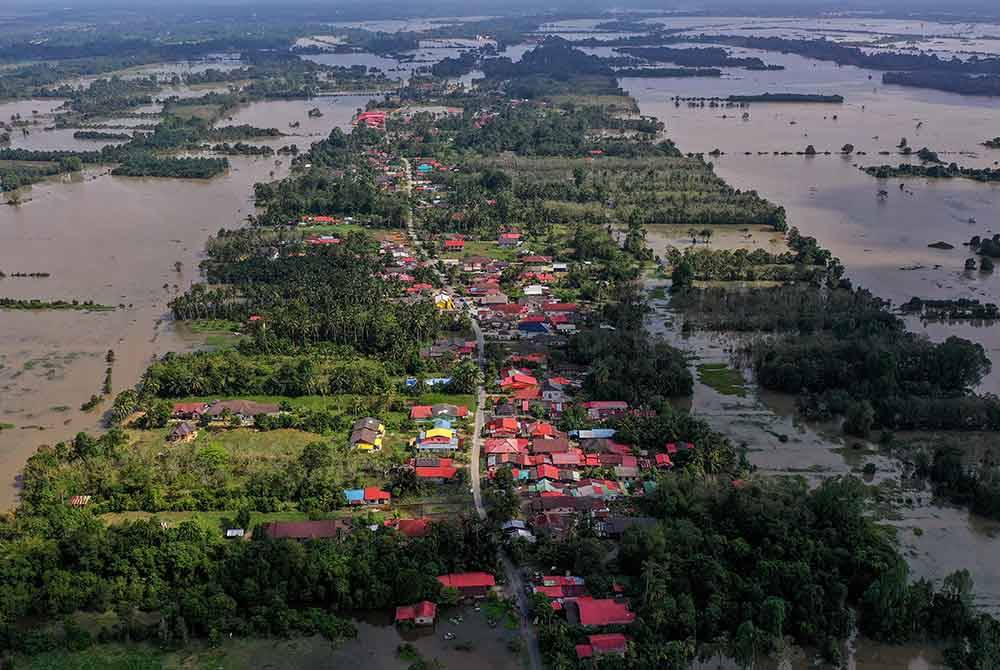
(602, 645)
(305, 530)
(509, 240)
(517, 381)
(437, 474)
(533, 325)
(370, 495)
(437, 438)
(503, 427)
(663, 461)
(550, 445)
(367, 434)
(188, 410)
(505, 445)
(182, 432)
(469, 584)
(426, 412)
(508, 310)
(541, 429)
(594, 612)
(493, 299)
(474, 263)
(79, 501)
(235, 533)
(410, 527)
(246, 410)
(374, 120)
(561, 586)
(615, 525)
(535, 290)
(603, 409)
(421, 614)
(444, 302)
(454, 245)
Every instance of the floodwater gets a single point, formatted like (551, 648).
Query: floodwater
(881, 241)
(115, 241)
(779, 443)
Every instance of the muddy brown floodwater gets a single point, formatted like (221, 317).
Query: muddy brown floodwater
(115, 241)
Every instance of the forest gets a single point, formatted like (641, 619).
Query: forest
(708, 575)
(697, 57)
(937, 171)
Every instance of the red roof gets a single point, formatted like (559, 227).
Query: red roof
(467, 580)
(547, 472)
(542, 429)
(604, 612)
(410, 527)
(375, 493)
(527, 393)
(505, 445)
(607, 642)
(510, 236)
(421, 412)
(509, 308)
(305, 530)
(582, 650)
(424, 609)
(189, 407)
(441, 471)
(454, 244)
(663, 461)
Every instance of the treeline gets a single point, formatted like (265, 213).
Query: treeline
(99, 135)
(890, 379)
(937, 171)
(196, 584)
(242, 149)
(328, 295)
(628, 363)
(668, 72)
(35, 304)
(148, 165)
(961, 308)
(963, 84)
(787, 97)
(787, 308)
(698, 57)
(708, 574)
(232, 373)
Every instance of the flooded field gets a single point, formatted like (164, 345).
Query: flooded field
(115, 241)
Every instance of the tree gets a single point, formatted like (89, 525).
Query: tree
(810, 150)
(847, 149)
(682, 276)
(465, 377)
(859, 419)
(316, 456)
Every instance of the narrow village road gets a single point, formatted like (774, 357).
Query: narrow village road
(514, 581)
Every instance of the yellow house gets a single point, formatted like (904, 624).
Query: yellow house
(443, 433)
(367, 434)
(444, 302)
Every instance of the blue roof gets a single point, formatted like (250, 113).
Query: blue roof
(354, 495)
(424, 167)
(433, 381)
(596, 433)
(442, 423)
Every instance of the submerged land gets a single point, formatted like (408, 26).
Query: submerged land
(457, 345)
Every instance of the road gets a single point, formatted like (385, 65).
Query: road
(514, 581)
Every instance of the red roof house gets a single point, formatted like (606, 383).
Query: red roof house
(603, 612)
(374, 494)
(469, 584)
(410, 527)
(421, 614)
(605, 643)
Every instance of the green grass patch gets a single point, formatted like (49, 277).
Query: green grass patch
(722, 378)
(6, 426)
(101, 657)
(212, 325)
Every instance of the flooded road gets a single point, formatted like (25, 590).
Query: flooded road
(115, 241)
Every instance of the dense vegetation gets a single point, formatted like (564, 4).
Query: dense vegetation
(936, 171)
(698, 57)
(709, 572)
(147, 165)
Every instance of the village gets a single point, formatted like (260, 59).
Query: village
(517, 315)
